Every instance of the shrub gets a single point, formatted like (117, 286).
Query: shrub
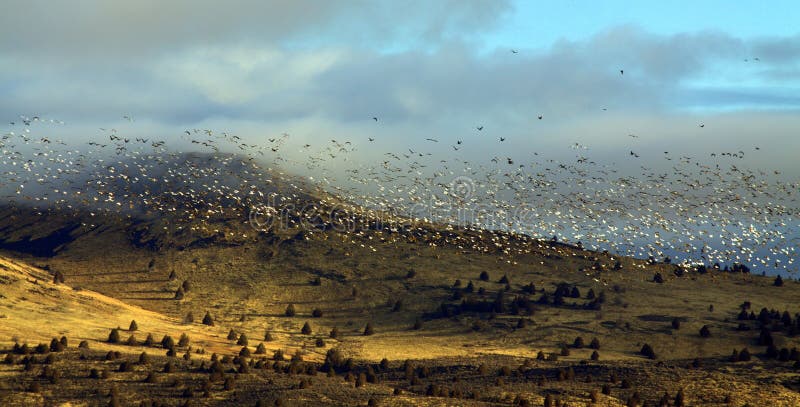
(58, 277)
(417, 324)
(470, 287)
(361, 380)
(290, 311)
(207, 320)
(228, 384)
(679, 399)
(676, 323)
(705, 332)
(648, 351)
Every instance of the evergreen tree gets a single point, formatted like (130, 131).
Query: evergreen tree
(207, 320)
(290, 312)
(113, 337)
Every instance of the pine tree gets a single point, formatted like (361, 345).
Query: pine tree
(368, 329)
(261, 349)
(167, 342)
(242, 340)
(290, 312)
(207, 320)
(113, 337)
(133, 326)
(306, 330)
(578, 343)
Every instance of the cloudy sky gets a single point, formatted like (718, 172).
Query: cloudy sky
(322, 69)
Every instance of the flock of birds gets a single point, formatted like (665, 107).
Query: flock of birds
(706, 209)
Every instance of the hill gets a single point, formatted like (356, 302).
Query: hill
(485, 317)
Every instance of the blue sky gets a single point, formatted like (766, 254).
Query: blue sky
(539, 24)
